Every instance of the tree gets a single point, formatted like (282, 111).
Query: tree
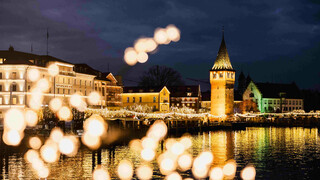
(160, 76)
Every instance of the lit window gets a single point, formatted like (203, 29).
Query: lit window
(134, 99)
(14, 87)
(221, 75)
(0, 75)
(127, 99)
(14, 100)
(0, 87)
(214, 75)
(14, 75)
(140, 99)
(154, 99)
(189, 94)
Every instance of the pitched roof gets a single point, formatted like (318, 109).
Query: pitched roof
(222, 61)
(182, 91)
(140, 89)
(273, 90)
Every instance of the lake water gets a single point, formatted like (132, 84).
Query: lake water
(277, 153)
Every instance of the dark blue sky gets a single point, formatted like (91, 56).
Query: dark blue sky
(273, 40)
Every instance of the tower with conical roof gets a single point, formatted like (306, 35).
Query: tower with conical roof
(222, 78)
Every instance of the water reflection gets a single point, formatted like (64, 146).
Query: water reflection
(277, 153)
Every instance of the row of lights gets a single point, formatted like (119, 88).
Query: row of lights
(143, 46)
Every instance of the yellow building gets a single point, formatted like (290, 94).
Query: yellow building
(156, 98)
(222, 78)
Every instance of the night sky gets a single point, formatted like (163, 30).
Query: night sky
(272, 40)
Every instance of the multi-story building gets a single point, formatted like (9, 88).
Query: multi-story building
(272, 97)
(156, 97)
(206, 100)
(222, 78)
(106, 84)
(16, 85)
(188, 96)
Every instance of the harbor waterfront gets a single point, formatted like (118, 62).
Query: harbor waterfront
(275, 152)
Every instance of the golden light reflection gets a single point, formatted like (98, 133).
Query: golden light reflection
(135, 145)
(248, 173)
(93, 142)
(68, 145)
(185, 162)
(229, 169)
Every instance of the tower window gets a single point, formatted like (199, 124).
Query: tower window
(214, 75)
(221, 75)
(133, 99)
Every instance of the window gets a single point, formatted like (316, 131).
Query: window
(0, 75)
(103, 93)
(293, 102)
(128, 99)
(214, 75)
(228, 75)
(251, 95)
(14, 100)
(14, 87)
(189, 94)
(300, 102)
(68, 81)
(63, 91)
(232, 75)
(221, 75)
(0, 100)
(134, 99)
(29, 87)
(80, 82)
(63, 80)
(85, 83)
(75, 81)
(278, 101)
(0, 87)
(289, 102)
(14, 75)
(85, 92)
(140, 99)
(154, 99)
(68, 91)
(58, 90)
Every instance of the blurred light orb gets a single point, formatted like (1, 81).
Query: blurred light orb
(230, 168)
(94, 98)
(142, 57)
(76, 100)
(130, 56)
(95, 125)
(160, 36)
(43, 172)
(186, 141)
(14, 120)
(31, 155)
(35, 142)
(67, 145)
(49, 153)
(173, 176)
(141, 45)
(177, 148)
(55, 104)
(147, 154)
(158, 130)
(144, 172)
(56, 134)
(125, 170)
(53, 69)
(33, 75)
(149, 143)
(173, 33)
(93, 142)
(65, 114)
(135, 145)
(199, 168)
(248, 173)
(216, 173)
(151, 45)
(31, 118)
(185, 162)
(167, 165)
(100, 173)
(206, 157)
(12, 138)
(43, 85)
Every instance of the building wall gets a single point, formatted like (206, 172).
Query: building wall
(253, 93)
(222, 92)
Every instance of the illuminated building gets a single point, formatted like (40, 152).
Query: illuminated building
(206, 100)
(156, 97)
(188, 96)
(106, 85)
(16, 79)
(222, 78)
(272, 97)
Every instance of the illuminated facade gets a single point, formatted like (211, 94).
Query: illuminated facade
(222, 78)
(16, 85)
(271, 97)
(185, 96)
(155, 97)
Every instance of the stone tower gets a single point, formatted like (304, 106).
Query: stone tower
(222, 78)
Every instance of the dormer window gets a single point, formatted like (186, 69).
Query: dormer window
(189, 94)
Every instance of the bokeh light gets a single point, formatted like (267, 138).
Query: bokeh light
(185, 162)
(173, 33)
(49, 152)
(33, 75)
(76, 100)
(248, 173)
(130, 56)
(216, 173)
(142, 57)
(56, 134)
(93, 142)
(31, 118)
(229, 169)
(100, 173)
(14, 120)
(95, 125)
(12, 137)
(55, 104)
(125, 170)
(144, 172)
(68, 145)
(160, 36)
(173, 176)
(43, 85)
(147, 154)
(35, 142)
(65, 113)
(53, 69)
(94, 98)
